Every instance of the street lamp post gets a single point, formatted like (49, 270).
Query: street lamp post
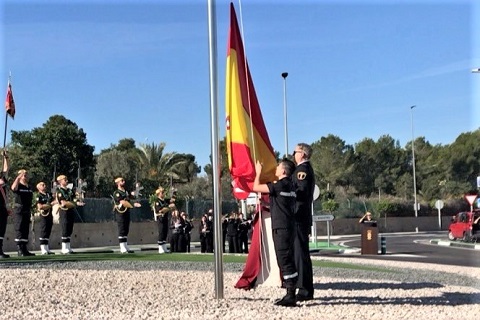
(284, 75)
(413, 163)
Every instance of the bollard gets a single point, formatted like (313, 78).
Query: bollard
(383, 245)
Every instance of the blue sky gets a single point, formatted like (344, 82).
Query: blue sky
(139, 69)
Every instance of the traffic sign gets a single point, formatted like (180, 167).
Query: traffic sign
(471, 198)
(325, 217)
(439, 204)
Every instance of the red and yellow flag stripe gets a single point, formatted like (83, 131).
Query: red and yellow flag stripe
(247, 137)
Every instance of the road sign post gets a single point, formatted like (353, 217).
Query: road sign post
(322, 218)
(439, 206)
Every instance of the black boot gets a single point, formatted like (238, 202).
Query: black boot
(288, 300)
(23, 251)
(3, 255)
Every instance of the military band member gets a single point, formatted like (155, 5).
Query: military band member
(65, 198)
(122, 208)
(4, 212)
(23, 204)
(161, 208)
(44, 202)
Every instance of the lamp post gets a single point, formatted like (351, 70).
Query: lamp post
(413, 163)
(284, 75)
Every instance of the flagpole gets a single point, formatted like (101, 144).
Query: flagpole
(5, 132)
(6, 121)
(217, 204)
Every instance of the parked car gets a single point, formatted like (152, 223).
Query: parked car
(465, 226)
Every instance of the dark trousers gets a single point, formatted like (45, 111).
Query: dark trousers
(177, 242)
(162, 223)
(3, 221)
(22, 223)
(283, 241)
(206, 242)
(210, 242)
(243, 243)
(67, 219)
(203, 243)
(232, 243)
(302, 260)
(123, 223)
(188, 239)
(45, 224)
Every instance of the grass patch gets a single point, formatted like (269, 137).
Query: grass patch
(173, 257)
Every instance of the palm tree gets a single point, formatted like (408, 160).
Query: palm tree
(166, 168)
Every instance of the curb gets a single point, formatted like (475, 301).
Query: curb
(444, 243)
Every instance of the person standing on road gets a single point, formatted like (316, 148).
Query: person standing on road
(282, 208)
(22, 212)
(304, 181)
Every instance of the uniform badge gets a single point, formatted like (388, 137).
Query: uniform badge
(301, 175)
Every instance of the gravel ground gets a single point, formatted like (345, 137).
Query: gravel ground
(168, 290)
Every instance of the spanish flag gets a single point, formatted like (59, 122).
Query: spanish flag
(9, 102)
(247, 137)
(247, 142)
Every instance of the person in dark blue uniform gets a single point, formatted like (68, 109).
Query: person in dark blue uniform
(22, 212)
(282, 208)
(44, 202)
(304, 181)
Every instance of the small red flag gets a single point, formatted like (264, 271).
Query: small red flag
(9, 102)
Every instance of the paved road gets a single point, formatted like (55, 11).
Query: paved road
(414, 247)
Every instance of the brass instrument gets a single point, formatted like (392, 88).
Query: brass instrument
(126, 204)
(67, 205)
(161, 213)
(123, 206)
(45, 210)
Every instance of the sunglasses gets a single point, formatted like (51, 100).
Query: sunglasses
(296, 151)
